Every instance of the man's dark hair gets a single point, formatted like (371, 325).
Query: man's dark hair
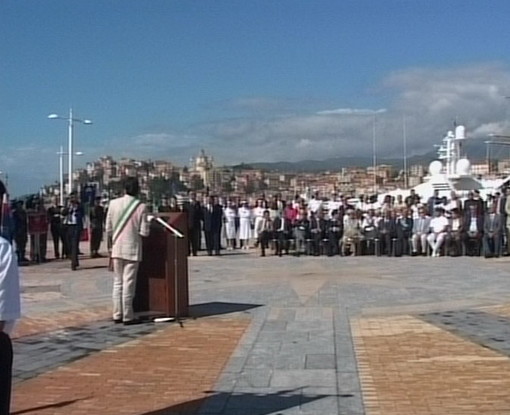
(131, 186)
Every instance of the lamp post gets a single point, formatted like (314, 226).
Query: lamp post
(61, 155)
(374, 153)
(70, 153)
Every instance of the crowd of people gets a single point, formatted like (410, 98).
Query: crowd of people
(438, 226)
(31, 223)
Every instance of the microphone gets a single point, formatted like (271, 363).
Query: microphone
(166, 225)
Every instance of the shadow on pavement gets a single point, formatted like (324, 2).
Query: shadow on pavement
(218, 308)
(235, 403)
(49, 406)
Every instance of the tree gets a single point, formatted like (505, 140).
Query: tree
(196, 183)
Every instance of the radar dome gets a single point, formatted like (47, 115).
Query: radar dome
(463, 167)
(435, 167)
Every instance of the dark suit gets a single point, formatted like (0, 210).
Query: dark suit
(404, 233)
(387, 230)
(55, 219)
(212, 217)
(74, 225)
(492, 235)
(455, 237)
(317, 228)
(281, 234)
(334, 235)
(194, 211)
(473, 237)
(97, 219)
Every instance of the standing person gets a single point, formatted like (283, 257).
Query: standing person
(282, 229)
(96, 218)
(19, 216)
(194, 211)
(258, 214)
(74, 224)
(265, 231)
(126, 223)
(245, 222)
(212, 215)
(54, 213)
(230, 215)
(9, 313)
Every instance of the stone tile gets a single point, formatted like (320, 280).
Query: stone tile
(320, 361)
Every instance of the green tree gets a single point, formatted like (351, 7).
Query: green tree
(196, 183)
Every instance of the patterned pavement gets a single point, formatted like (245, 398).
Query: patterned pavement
(274, 336)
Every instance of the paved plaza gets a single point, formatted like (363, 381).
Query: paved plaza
(308, 335)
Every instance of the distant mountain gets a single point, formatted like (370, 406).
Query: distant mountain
(475, 149)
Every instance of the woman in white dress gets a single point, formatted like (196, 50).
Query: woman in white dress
(230, 214)
(245, 225)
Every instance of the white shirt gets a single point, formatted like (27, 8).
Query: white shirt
(314, 205)
(10, 308)
(438, 224)
(455, 224)
(472, 225)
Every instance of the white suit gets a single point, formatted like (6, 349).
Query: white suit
(9, 286)
(126, 254)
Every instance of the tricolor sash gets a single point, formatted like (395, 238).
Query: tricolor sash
(124, 218)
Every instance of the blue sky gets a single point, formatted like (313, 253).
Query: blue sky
(246, 80)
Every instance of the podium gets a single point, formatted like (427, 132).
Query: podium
(162, 281)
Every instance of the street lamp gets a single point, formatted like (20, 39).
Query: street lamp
(61, 155)
(70, 153)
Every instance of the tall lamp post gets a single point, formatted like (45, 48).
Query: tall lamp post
(61, 155)
(70, 152)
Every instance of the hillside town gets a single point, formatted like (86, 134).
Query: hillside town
(160, 179)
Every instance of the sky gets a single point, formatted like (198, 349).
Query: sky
(251, 80)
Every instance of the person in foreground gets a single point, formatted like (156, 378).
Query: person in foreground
(9, 313)
(126, 224)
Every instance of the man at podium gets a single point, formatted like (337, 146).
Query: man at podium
(126, 223)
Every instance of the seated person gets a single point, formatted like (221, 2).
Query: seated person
(473, 229)
(492, 235)
(404, 232)
(438, 231)
(387, 231)
(369, 231)
(352, 233)
(455, 232)
(421, 227)
(334, 229)
(301, 231)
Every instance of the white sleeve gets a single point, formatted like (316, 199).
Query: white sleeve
(10, 307)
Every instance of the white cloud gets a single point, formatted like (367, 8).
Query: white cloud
(273, 129)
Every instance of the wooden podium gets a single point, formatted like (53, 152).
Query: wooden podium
(162, 282)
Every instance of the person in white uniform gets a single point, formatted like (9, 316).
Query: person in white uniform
(245, 225)
(126, 223)
(229, 217)
(9, 312)
(438, 229)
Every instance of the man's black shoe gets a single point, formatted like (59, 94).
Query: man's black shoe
(117, 321)
(132, 322)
